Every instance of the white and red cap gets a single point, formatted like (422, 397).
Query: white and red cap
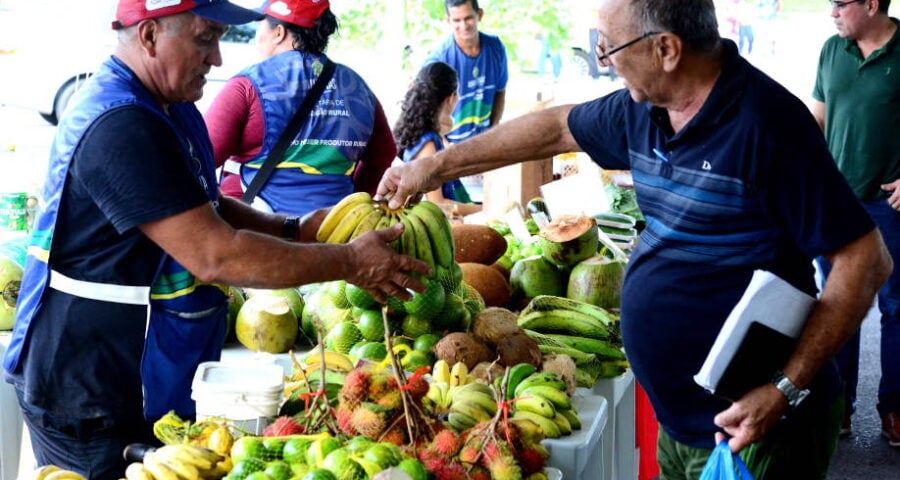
(303, 13)
(130, 12)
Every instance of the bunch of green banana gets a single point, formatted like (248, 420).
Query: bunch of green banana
(179, 462)
(426, 236)
(470, 404)
(541, 398)
(565, 316)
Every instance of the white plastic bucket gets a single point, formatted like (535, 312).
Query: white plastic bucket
(247, 394)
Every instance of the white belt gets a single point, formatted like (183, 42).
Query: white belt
(105, 292)
(232, 166)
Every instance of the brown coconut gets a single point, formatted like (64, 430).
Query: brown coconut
(462, 347)
(494, 289)
(494, 323)
(564, 366)
(519, 348)
(487, 372)
(478, 244)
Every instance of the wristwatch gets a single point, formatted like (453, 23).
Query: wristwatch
(786, 386)
(290, 227)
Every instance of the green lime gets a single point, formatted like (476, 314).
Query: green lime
(413, 326)
(259, 476)
(319, 449)
(273, 447)
(453, 317)
(371, 325)
(416, 359)
(247, 447)
(359, 297)
(319, 474)
(245, 467)
(426, 342)
(343, 336)
(279, 470)
(374, 351)
(381, 455)
(414, 468)
(358, 444)
(429, 303)
(295, 450)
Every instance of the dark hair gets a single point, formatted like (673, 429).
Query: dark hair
(312, 40)
(884, 5)
(458, 3)
(418, 114)
(694, 21)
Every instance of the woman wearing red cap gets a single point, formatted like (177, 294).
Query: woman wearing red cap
(345, 144)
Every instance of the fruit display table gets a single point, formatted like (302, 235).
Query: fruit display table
(579, 456)
(620, 455)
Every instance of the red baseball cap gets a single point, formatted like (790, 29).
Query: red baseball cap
(130, 12)
(303, 13)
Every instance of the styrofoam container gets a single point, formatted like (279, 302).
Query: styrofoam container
(579, 455)
(249, 394)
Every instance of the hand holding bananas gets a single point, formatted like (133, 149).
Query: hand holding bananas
(377, 268)
(402, 181)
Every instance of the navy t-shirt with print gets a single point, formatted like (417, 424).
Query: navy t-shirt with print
(747, 184)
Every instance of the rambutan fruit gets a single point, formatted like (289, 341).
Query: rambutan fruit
(356, 387)
(432, 459)
(531, 460)
(379, 384)
(479, 473)
(505, 468)
(418, 387)
(450, 471)
(469, 454)
(343, 416)
(395, 435)
(368, 422)
(392, 400)
(447, 442)
(283, 425)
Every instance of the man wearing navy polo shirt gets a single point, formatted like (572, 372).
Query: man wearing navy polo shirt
(732, 175)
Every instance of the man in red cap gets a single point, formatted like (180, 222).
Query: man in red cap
(133, 220)
(345, 144)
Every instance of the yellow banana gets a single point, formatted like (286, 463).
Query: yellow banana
(368, 223)
(204, 453)
(548, 426)
(459, 374)
(565, 428)
(193, 455)
(472, 387)
(422, 239)
(348, 223)
(136, 471)
(483, 400)
(41, 472)
(337, 212)
(442, 243)
(441, 371)
(471, 409)
(220, 440)
(333, 360)
(535, 404)
(384, 221)
(64, 475)
(158, 469)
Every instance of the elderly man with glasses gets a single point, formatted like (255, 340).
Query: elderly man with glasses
(733, 176)
(857, 104)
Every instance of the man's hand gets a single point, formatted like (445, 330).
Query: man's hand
(894, 188)
(751, 417)
(402, 181)
(381, 270)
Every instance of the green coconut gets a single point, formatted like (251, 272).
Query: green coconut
(266, 324)
(535, 276)
(235, 302)
(10, 281)
(598, 281)
(569, 239)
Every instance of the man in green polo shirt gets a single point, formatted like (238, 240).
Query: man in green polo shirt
(857, 105)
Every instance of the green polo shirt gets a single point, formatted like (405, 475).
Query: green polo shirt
(862, 112)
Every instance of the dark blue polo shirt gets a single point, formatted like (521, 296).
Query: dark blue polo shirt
(747, 184)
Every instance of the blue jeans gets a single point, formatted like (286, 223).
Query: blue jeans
(90, 446)
(888, 221)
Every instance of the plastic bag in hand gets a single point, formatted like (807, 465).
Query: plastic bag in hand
(724, 465)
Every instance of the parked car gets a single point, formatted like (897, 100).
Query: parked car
(585, 60)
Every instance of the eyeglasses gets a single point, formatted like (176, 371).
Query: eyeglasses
(836, 5)
(604, 56)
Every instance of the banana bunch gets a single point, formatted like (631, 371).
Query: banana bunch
(426, 236)
(336, 361)
(470, 404)
(179, 462)
(444, 380)
(541, 398)
(52, 472)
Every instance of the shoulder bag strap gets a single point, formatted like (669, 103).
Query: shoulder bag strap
(289, 133)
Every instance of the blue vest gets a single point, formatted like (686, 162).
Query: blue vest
(452, 190)
(187, 318)
(317, 168)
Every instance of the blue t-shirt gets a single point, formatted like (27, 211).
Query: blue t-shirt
(452, 190)
(480, 78)
(747, 184)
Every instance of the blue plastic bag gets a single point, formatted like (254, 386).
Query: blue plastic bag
(724, 465)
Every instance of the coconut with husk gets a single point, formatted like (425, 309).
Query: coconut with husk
(598, 281)
(569, 239)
